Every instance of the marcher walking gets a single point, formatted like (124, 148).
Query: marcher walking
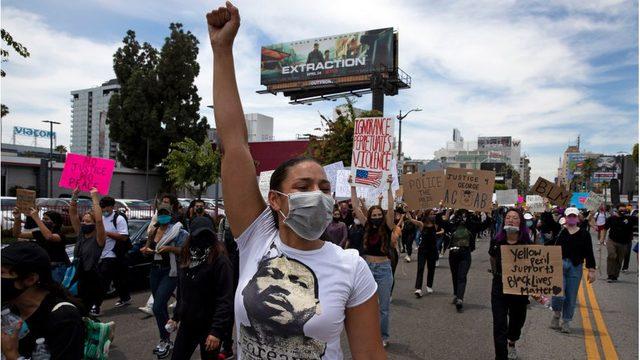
(427, 251)
(620, 227)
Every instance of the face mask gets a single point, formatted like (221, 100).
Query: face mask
(199, 210)
(356, 221)
(336, 218)
(48, 224)
(9, 291)
(87, 228)
(511, 229)
(529, 223)
(376, 222)
(432, 218)
(164, 219)
(572, 221)
(106, 213)
(202, 241)
(310, 213)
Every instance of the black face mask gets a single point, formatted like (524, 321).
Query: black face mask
(336, 218)
(87, 228)
(48, 224)
(199, 210)
(9, 291)
(376, 222)
(202, 241)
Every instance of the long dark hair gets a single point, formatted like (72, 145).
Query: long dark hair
(523, 231)
(56, 290)
(216, 249)
(369, 230)
(56, 218)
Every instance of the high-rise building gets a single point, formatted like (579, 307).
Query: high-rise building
(259, 127)
(525, 170)
(505, 145)
(89, 130)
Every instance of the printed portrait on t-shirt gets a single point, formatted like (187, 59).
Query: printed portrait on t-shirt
(280, 298)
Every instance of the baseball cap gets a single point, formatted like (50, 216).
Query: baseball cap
(201, 224)
(571, 211)
(164, 207)
(27, 257)
(528, 216)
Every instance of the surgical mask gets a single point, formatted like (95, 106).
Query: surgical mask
(164, 219)
(529, 223)
(87, 228)
(572, 221)
(310, 212)
(106, 213)
(9, 290)
(356, 221)
(511, 229)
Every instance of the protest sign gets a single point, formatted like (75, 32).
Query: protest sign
(535, 203)
(343, 188)
(86, 172)
(423, 190)
(372, 155)
(25, 200)
(558, 195)
(469, 189)
(531, 270)
(594, 201)
(578, 199)
(507, 197)
(331, 171)
(263, 183)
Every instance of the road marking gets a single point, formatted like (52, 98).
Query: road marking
(608, 348)
(589, 339)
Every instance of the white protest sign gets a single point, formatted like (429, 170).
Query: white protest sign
(263, 183)
(507, 197)
(342, 187)
(331, 171)
(535, 203)
(372, 155)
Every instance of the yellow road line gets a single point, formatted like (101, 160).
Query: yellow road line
(589, 339)
(607, 344)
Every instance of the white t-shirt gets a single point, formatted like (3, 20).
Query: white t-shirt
(297, 299)
(601, 218)
(121, 228)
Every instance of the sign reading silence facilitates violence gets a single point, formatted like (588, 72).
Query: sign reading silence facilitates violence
(372, 155)
(531, 270)
(557, 195)
(86, 172)
(469, 189)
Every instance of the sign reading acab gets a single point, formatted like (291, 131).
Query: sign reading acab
(19, 130)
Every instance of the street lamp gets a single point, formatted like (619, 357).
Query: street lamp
(51, 154)
(400, 117)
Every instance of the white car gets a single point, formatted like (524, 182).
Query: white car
(134, 208)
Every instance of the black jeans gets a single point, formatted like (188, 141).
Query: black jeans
(427, 256)
(625, 263)
(187, 339)
(459, 262)
(89, 288)
(509, 315)
(394, 264)
(114, 269)
(408, 244)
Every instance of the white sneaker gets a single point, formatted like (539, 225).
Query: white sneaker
(407, 258)
(513, 354)
(429, 290)
(385, 343)
(146, 310)
(437, 263)
(418, 293)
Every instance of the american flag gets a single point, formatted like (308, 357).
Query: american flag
(368, 177)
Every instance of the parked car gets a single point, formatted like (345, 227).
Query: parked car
(135, 209)
(7, 203)
(61, 205)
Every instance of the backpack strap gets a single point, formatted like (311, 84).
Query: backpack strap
(115, 219)
(61, 304)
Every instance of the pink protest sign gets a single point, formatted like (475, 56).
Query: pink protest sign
(85, 172)
(520, 199)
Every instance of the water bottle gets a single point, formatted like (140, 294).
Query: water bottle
(170, 327)
(9, 321)
(41, 352)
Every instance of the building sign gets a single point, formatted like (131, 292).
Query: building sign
(607, 168)
(492, 142)
(22, 131)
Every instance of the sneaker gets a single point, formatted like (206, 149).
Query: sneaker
(385, 343)
(418, 293)
(95, 311)
(455, 300)
(173, 305)
(429, 290)
(459, 306)
(437, 263)
(624, 270)
(565, 327)
(121, 303)
(407, 258)
(555, 322)
(513, 354)
(611, 280)
(163, 349)
(146, 310)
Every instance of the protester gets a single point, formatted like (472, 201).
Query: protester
(355, 236)
(287, 275)
(576, 249)
(531, 224)
(205, 294)
(620, 227)
(427, 251)
(346, 213)
(86, 255)
(548, 227)
(509, 311)
(336, 232)
(225, 235)
(49, 236)
(408, 234)
(30, 292)
(599, 221)
(165, 245)
(199, 211)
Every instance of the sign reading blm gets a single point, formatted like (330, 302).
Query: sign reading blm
(557, 195)
(469, 189)
(86, 172)
(531, 270)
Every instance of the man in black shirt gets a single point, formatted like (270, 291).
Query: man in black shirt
(315, 56)
(620, 227)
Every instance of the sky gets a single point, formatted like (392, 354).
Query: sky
(540, 71)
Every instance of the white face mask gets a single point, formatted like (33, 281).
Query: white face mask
(511, 229)
(310, 212)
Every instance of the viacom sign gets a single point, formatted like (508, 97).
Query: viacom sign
(17, 130)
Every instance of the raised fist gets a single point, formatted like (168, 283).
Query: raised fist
(223, 26)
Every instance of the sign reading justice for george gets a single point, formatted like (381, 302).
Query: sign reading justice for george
(531, 270)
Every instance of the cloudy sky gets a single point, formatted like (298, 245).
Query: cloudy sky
(540, 71)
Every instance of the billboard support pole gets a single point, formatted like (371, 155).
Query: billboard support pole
(377, 99)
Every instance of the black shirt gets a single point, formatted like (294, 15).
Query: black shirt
(576, 247)
(63, 330)
(429, 239)
(355, 236)
(408, 230)
(373, 242)
(621, 228)
(87, 252)
(55, 249)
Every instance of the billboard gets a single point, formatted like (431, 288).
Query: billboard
(19, 130)
(327, 57)
(574, 164)
(492, 142)
(607, 167)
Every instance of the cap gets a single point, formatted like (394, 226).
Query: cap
(201, 224)
(27, 256)
(571, 211)
(165, 207)
(528, 216)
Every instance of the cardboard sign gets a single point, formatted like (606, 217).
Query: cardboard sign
(557, 195)
(531, 270)
(578, 199)
(469, 189)
(263, 183)
(331, 170)
(372, 155)
(594, 201)
(424, 190)
(86, 172)
(535, 203)
(25, 200)
(507, 197)
(342, 187)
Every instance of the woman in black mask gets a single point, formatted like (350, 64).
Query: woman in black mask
(205, 294)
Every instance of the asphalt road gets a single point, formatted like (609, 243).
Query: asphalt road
(605, 324)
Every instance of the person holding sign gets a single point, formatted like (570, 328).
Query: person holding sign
(509, 311)
(289, 278)
(427, 250)
(49, 236)
(576, 249)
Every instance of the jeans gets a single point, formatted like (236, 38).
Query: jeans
(459, 262)
(113, 269)
(572, 275)
(187, 339)
(616, 252)
(439, 241)
(162, 286)
(509, 314)
(57, 272)
(384, 278)
(428, 256)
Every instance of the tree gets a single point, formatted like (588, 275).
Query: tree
(336, 144)
(589, 166)
(4, 54)
(193, 166)
(634, 153)
(157, 103)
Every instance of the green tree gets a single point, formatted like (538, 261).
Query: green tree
(634, 153)
(193, 166)
(4, 54)
(589, 166)
(157, 103)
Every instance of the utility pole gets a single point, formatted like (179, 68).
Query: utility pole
(400, 117)
(51, 154)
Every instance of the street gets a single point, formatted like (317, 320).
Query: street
(430, 327)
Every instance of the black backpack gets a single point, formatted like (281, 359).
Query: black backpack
(122, 246)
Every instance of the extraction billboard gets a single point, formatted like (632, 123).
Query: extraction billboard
(326, 57)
